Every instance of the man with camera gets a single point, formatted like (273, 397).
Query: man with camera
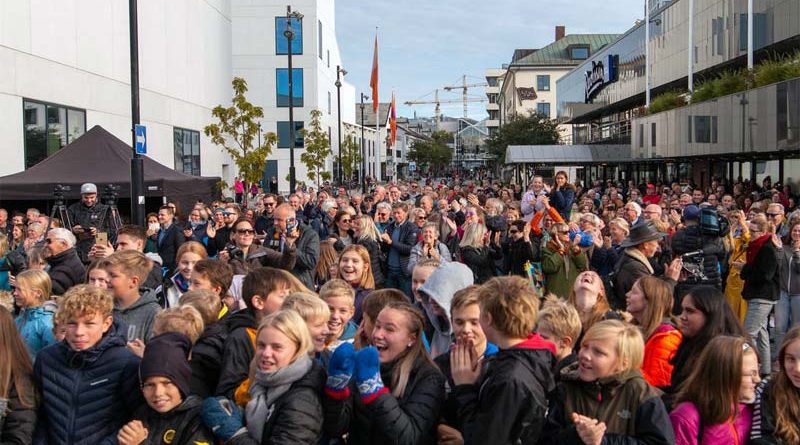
(88, 218)
(243, 255)
(709, 253)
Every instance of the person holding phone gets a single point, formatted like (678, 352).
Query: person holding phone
(286, 233)
(87, 217)
(243, 255)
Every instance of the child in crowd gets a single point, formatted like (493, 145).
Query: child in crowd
(435, 297)
(216, 276)
(189, 253)
(128, 269)
(560, 324)
(373, 305)
(17, 392)
(603, 398)
(507, 404)
(88, 383)
(715, 405)
(465, 313)
(263, 291)
(340, 298)
(315, 312)
(206, 358)
(35, 320)
(172, 413)
(183, 319)
(777, 405)
(97, 273)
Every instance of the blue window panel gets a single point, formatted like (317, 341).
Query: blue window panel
(281, 44)
(284, 136)
(282, 87)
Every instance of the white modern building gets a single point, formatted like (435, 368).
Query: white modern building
(64, 68)
(494, 78)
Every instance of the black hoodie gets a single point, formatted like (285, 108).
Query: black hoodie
(180, 426)
(237, 353)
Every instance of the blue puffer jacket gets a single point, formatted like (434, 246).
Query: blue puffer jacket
(36, 327)
(87, 396)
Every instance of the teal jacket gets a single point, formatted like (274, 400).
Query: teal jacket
(36, 327)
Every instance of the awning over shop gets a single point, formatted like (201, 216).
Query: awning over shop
(567, 154)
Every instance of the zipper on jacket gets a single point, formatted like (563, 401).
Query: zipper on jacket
(72, 412)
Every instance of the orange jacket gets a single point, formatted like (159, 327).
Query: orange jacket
(658, 351)
(536, 229)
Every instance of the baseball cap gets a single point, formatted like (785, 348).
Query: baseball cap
(691, 212)
(88, 188)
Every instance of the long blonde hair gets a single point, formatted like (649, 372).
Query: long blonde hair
(473, 235)
(407, 360)
(367, 228)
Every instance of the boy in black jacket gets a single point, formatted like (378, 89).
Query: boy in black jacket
(171, 415)
(560, 324)
(507, 404)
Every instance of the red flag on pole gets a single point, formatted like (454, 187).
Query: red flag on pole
(393, 121)
(373, 81)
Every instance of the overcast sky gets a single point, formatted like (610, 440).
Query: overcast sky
(427, 44)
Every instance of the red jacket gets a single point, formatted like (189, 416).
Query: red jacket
(658, 352)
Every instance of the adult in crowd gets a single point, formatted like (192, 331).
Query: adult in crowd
(518, 248)
(264, 220)
(322, 224)
(738, 239)
(398, 240)
(761, 286)
(287, 233)
(531, 201)
(219, 233)
(562, 260)
(195, 228)
(12, 262)
(383, 216)
(787, 310)
(88, 217)
(429, 247)
(478, 250)
(562, 195)
(365, 234)
(243, 255)
(66, 268)
(691, 238)
(169, 238)
(341, 230)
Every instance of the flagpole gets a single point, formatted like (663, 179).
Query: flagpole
(377, 108)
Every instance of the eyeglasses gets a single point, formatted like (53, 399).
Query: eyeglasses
(563, 232)
(772, 215)
(513, 231)
(269, 204)
(422, 218)
(344, 221)
(245, 231)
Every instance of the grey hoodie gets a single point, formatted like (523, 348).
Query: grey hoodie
(443, 283)
(139, 316)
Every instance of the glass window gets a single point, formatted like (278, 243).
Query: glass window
(579, 53)
(281, 43)
(543, 82)
(652, 134)
(187, 151)
(641, 135)
(713, 129)
(319, 38)
(48, 128)
(282, 86)
(689, 128)
(759, 31)
(543, 108)
(329, 102)
(491, 81)
(284, 136)
(702, 129)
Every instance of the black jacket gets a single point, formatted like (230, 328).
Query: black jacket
(763, 430)
(481, 261)
(260, 256)
(66, 270)
(168, 245)
(206, 361)
(17, 421)
(98, 216)
(184, 422)
(409, 420)
(690, 239)
(376, 260)
(627, 270)
(220, 240)
(761, 279)
(516, 253)
(508, 404)
(407, 240)
(87, 396)
(237, 353)
(306, 256)
(296, 415)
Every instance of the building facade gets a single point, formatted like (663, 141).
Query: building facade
(65, 68)
(494, 79)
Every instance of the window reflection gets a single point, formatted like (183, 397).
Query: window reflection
(48, 128)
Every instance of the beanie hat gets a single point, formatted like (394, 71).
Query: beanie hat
(167, 355)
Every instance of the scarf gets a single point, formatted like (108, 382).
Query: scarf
(265, 389)
(181, 282)
(639, 256)
(753, 247)
(563, 251)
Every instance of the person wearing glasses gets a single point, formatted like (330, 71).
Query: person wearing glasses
(775, 214)
(383, 216)
(341, 230)
(66, 268)
(286, 234)
(562, 260)
(323, 222)
(264, 221)
(243, 255)
(518, 248)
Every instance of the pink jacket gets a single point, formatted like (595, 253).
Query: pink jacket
(686, 421)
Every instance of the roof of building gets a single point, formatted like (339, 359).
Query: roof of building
(567, 154)
(369, 115)
(557, 52)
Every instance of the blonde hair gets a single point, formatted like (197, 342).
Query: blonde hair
(132, 263)
(561, 319)
(84, 300)
(185, 320)
(191, 247)
(3, 244)
(206, 302)
(622, 224)
(290, 324)
(465, 297)
(337, 287)
(367, 280)
(473, 235)
(512, 304)
(308, 306)
(36, 280)
(367, 228)
(630, 343)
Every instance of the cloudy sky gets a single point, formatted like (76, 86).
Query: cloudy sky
(426, 44)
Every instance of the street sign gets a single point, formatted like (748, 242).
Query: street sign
(141, 139)
(412, 166)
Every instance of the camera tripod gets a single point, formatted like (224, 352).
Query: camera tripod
(59, 209)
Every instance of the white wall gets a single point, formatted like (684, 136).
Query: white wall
(76, 53)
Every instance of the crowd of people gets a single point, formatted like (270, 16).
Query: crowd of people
(457, 312)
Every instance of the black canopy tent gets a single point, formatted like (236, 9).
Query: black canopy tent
(99, 157)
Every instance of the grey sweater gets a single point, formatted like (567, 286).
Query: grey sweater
(139, 317)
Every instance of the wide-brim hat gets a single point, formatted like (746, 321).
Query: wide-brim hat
(641, 233)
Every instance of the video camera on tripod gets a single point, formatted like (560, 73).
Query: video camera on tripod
(59, 208)
(692, 271)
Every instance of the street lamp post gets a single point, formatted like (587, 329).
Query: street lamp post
(137, 163)
(363, 150)
(339, 70)
(289, 34)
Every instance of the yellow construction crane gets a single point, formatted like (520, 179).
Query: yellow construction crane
(438, 111)
(464, 87)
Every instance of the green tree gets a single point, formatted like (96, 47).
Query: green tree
(536, 129)
(236, 132)
(351, 156)
(432, 155)
(318, 149)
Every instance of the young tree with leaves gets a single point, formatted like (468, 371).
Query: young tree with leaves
(318, 149)
(434, 154)
(351, 156)
(236, 132)
(536, 129)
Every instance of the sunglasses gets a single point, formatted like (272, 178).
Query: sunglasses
(269, 204)
(245, 231)
(772, 215)
(513, 231)
(344, 221)
(563, 232)
(422, 218)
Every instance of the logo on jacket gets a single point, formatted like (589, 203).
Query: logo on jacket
(625, 414)
(169, 436)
